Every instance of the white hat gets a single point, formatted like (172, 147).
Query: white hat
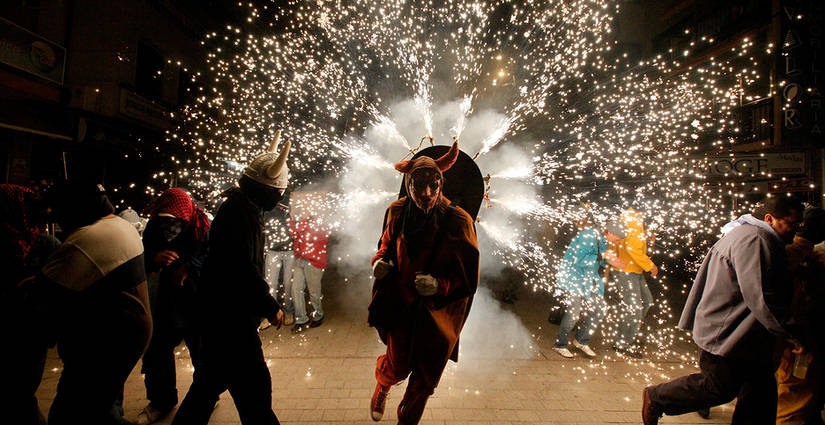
(270, 167)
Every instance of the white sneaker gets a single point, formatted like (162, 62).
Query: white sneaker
(149, 415)
(584, 348)
(564, 352)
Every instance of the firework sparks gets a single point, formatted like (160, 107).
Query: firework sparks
(350, 83)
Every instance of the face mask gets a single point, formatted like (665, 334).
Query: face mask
(171, 228)
(425, 189)
(270, 199)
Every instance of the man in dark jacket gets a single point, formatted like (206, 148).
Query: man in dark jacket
(736, 309)
(233, 297)
(175, 244)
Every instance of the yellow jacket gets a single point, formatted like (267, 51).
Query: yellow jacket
(633, 248)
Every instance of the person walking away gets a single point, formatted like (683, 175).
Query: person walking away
(735, 310)
(175, 243)
(95, 287)
(428, 255)
(800, 375)
(233, 297)
(310, 261)
(581, 287)
(634, 293)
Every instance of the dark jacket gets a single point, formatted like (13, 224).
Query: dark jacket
(232, 290)
(191, 251)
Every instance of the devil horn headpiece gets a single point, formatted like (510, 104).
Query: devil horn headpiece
(443, 163)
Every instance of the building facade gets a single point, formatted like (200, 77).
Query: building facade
(88, 88)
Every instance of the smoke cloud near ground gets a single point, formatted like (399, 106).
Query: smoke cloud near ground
(494, 333)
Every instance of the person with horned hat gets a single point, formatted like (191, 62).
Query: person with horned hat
(233, 297)
(175, 245)
(426, 272)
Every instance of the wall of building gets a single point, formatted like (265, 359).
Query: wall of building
(100, 115)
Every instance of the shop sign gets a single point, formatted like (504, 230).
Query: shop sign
(135, 106)
(754, 165)
(27, 51)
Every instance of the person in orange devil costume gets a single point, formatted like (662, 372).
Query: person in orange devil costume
(426, 272)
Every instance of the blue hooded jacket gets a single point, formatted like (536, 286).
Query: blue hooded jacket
(578, 273)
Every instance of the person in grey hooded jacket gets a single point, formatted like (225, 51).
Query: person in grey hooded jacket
(736, 309)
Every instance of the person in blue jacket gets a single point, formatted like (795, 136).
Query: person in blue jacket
(581, 286)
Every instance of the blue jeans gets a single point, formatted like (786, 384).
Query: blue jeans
(593, 309)
(306, 276)
(636, 300)
(275, 262)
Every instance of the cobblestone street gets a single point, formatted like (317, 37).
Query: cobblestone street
(325, 375)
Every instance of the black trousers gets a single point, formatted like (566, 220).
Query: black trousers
(231, 361)
(98, 352)
(172, 319)
(23, 360)
(721, 380)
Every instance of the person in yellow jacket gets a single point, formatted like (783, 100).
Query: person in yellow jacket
(800, 382)
(634, 294)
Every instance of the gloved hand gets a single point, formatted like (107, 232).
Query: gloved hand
(381, 268)
(426, 285)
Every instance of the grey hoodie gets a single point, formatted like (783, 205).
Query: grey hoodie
(741, 293)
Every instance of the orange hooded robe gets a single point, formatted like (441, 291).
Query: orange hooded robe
(425, 342)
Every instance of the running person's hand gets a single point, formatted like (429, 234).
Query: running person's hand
(426, 285)
(382, 268)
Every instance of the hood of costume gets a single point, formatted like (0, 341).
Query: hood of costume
(438, 165)
(177, 203)
(174, 208)
(633, 247)
(415, 221)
